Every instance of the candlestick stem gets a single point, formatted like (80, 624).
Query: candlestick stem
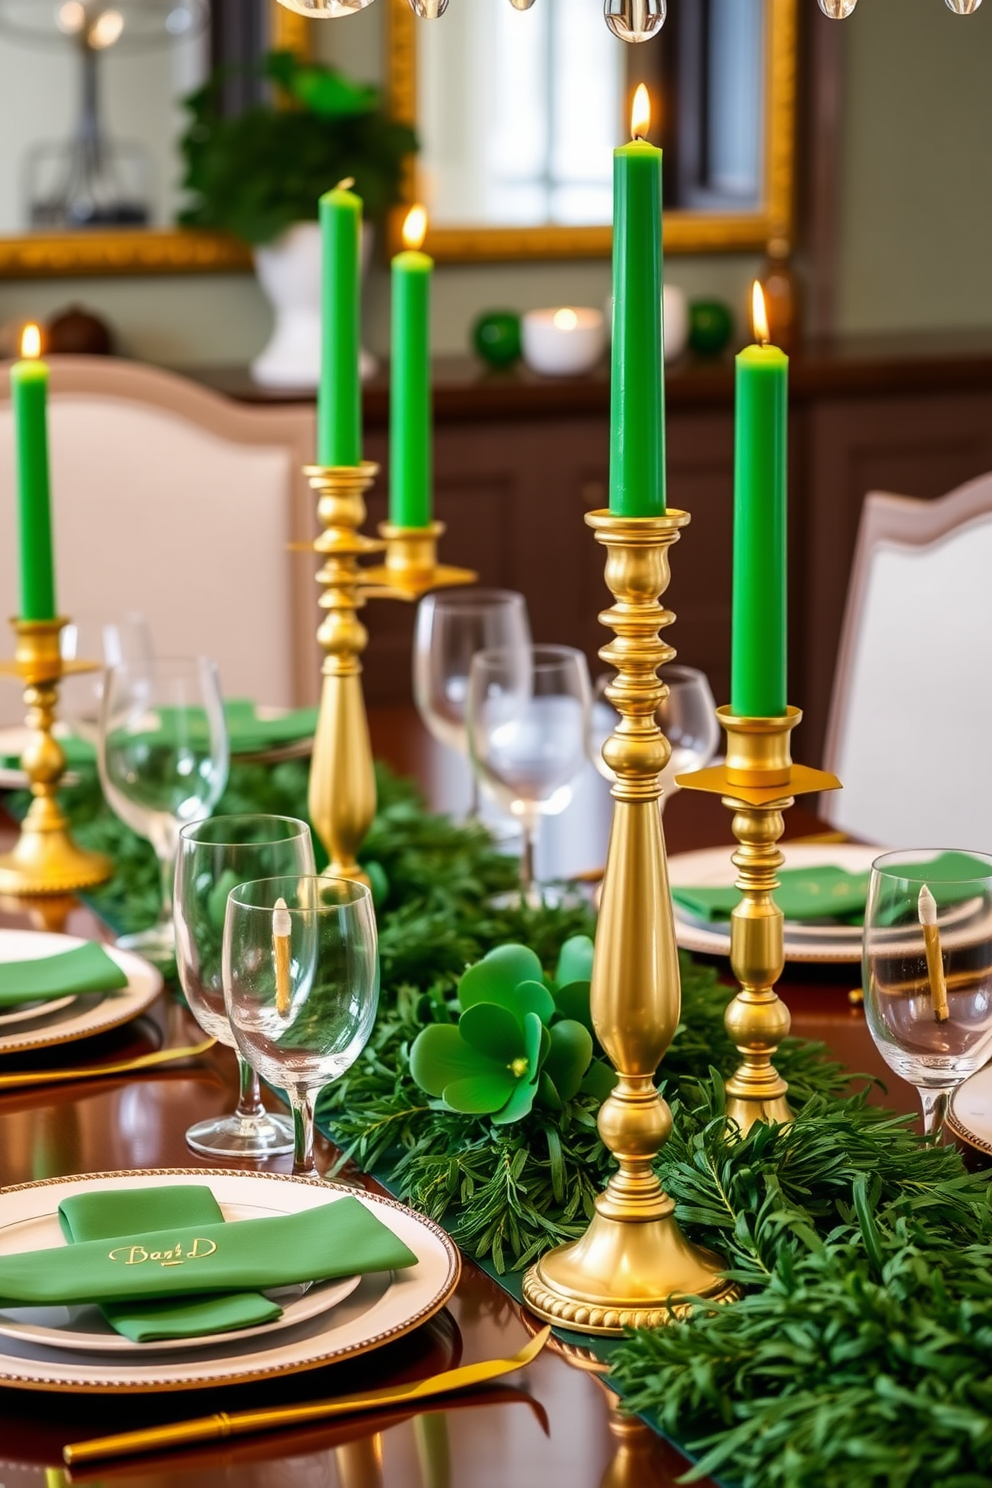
(45, 859)
(633, 1267)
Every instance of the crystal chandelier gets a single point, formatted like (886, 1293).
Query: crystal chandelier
(631, 20)
(838, 10)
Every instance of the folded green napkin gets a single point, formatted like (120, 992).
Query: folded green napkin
(831, 893)
(336, 1240)
(107, 1215)
(86, 968)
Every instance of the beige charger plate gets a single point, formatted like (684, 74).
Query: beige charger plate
(64, 1020)
(381, 1308)
(970, 1115)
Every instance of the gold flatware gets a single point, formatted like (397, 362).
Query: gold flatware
(216, 1428)
(95, 1071)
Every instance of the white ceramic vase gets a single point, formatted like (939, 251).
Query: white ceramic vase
(289, 273)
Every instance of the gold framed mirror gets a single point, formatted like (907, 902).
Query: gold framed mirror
(142, 250)
(705, 220)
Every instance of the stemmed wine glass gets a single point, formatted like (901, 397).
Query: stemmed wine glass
(163, 761)
(528, 722)
(687, 718)
(301, 984)
(214, 857)
(927, 971)
(108, 640)
(452, 625)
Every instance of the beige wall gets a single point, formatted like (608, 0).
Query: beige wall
(916, 210)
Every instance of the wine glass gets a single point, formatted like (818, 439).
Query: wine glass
(214, 857)
(528, 722)
(927, 970)
(163, 760)
(107, 640)
(452, 625)
(687, 718)
(301, 985)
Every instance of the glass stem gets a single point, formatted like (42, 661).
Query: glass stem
(935, 1103)
(166, 854)
(472, 815)
(303, 1163)
(527, 844)
(250, 1106)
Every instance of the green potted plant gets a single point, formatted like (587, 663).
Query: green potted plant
(261, 173)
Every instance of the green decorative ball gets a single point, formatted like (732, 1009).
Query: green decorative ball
(496, 337)
(711, 326)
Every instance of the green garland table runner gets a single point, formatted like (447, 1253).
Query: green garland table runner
(860, 1352)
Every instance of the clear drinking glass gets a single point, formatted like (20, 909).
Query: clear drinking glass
(528, 724)
(214, 857)
(301, 984)
(452, 625)
(687, 718)
(163, 760)
(107, 640)
(927, 970)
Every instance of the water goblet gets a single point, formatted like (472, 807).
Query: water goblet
(214, 857)
(301, 985)
(452, 625)
(687, 718)
(528, 721)
(107, 640)
(927, 970)
(163, 761)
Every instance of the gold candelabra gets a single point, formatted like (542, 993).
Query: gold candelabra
(45, 859)
(342, 776)
(758, 781)
(633, 1267)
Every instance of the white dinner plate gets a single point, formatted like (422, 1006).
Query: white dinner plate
(970, 1114)
(712, 868)
(380, 1308)
(76, 1017)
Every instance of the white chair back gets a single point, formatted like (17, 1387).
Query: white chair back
(910, 730)
(174, 501)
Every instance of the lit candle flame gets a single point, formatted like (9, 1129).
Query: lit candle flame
(565, 320)
(31, 342)
(415, 227)
(759, 315)
(640, 113)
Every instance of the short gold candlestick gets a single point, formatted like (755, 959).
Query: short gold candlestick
(758, 781)
(342, 779)
(45, 859)
(411, 569)
(633, 1267)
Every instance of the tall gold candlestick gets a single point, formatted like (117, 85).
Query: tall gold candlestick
(633, 1267)
(45, 859)
(758, 782)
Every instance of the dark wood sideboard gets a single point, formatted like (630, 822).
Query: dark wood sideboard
(519, 459)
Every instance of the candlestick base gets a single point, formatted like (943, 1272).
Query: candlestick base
(758, 781)
(45, 859)
(411, 569)
(633, 1267)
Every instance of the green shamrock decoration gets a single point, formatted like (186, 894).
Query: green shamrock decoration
(516, 1040)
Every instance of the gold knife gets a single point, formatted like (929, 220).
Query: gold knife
(94, 1071)
(216, 1428)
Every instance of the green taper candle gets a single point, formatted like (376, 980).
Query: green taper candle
(758, 652)
(29, 396)
(637, 396)
(410, 385)
(339, 398)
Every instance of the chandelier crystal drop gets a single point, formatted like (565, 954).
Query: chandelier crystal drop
(635, 20)
(521, 4)
(322, 10)
(963, 7)
(837, 10)
(428, 10)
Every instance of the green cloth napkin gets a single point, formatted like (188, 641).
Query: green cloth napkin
(86, 968)
(831, 893)
(106, 1215)
(336, 1240)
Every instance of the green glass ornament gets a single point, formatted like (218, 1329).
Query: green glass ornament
(711, 326)
(496, 337)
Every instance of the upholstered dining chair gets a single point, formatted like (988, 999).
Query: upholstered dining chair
(910, 728)
(174, 501)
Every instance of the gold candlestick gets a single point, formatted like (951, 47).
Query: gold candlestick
(411, 569)
(633, 1267)
(45, 859)
(758, 781)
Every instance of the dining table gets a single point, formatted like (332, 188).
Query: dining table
(556, 1424)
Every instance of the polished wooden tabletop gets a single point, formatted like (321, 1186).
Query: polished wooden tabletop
(552, 1426)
